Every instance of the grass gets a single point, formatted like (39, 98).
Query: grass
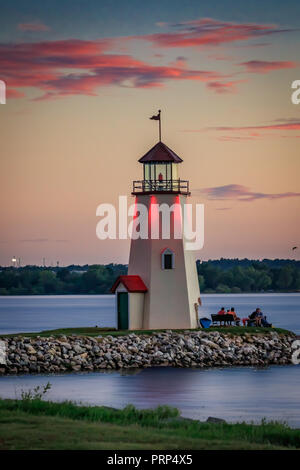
(88, 331)
(38, 424)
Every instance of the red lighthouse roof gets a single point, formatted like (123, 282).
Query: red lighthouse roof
(160, 153)
(132, 284)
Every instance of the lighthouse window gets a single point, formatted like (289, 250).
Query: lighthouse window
(168, 260)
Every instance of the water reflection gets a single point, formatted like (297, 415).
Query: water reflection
(235, 394)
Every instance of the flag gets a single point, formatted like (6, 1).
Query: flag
(157, 117)
(294, 248)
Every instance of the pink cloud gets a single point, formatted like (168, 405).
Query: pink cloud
(210, 32)
(236, 138)
(11, 93)
(287, 126)
(241, 193)
(265, 66)
(240, 133)
(71, 67)
(224, 87)
(33, 27)
(46, 65)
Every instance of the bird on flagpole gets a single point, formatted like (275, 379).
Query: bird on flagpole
(156, 117)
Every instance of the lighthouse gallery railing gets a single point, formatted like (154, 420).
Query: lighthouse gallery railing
(149, 186)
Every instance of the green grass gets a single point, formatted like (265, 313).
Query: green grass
(37, 424)
(87, 331)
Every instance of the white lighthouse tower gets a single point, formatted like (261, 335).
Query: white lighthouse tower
(161, 290)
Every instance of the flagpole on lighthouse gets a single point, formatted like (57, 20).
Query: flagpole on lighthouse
(157, 117)
(159, 125)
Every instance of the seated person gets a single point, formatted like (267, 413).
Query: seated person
(255, 317)
(228, 323)
(250, 320)
(259, 317)
(265, 323)
(222, 312)
(235, 317)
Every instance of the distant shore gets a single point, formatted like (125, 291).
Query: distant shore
(202, 293)
(223, 276)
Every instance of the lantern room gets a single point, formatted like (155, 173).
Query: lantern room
(160, 172)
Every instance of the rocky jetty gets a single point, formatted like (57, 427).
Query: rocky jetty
(188, 349)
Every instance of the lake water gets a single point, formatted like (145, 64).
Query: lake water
(36, 313)
(234, 394)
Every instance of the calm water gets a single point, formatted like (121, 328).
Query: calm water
(235, 394)
(36, 313)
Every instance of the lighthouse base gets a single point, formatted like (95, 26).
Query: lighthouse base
(169, 272)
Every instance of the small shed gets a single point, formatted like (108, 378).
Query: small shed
(130, 292)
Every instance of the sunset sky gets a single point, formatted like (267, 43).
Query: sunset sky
(83, 78)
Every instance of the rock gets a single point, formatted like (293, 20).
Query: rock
(30, 349)
(210, 344)
(65, 345)
(169, 348)
(78, 349)
(212, 419)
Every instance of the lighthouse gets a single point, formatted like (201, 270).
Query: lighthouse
(161, 290)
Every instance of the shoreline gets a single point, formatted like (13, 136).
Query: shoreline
(75, 426)
(109, 294)
(190, 348)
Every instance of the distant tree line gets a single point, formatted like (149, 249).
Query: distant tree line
(34, 280)
(215, 276)
(234, 276)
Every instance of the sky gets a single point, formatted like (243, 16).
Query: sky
(83, 78)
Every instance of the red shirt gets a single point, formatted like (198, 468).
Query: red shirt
(221, 312)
